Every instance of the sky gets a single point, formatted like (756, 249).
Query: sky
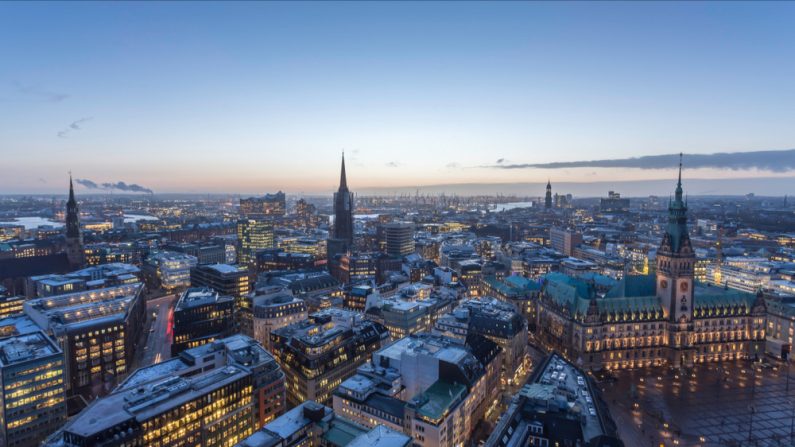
(255, 97)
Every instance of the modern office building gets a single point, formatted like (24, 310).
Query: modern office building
(614, 203)
(355, 268)
(433, 388)
(311, 424)
(11, 305)
(399, 238)
(268, 206)
(253, 235)
(106, 253)
(356, 297)
(317, 354)
(74, 237)
(201, 316)
(223, 278)
(564, 240)
(168, 270)
(32, 374)
(206, 253)
(95, 277)
(98, 331)
(278, 259)
(661, 319)
(214, 395)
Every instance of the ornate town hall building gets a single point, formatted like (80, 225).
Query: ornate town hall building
(659, 319)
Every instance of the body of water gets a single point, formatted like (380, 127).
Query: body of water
(500, 207)
(128, 218)
(31, 223)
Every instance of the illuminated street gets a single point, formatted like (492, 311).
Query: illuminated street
(731, 404)
(158, 342)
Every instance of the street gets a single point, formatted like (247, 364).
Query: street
(158, 341)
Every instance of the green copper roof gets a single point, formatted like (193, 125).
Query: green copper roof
(636, 306)
(568, 292)
(634, 286)
(633, 297)
(522, 283)
(713, 296)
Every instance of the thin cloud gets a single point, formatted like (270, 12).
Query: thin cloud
(132, 187)
(773, 161)
(38, 92)
(452, 165)
(392, 164)
(117, 186)
(76, 125)
(87, 183)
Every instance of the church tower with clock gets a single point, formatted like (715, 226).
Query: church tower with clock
(676, 262)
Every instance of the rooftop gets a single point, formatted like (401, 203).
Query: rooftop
(223, 268)
(439, 399)
(148, 400)
(81, 307)
(160, 387)
(199, 296)
(21, 348)
(323, 326)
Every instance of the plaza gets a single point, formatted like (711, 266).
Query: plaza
(729, 404)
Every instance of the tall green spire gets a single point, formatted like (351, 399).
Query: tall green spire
(677, 217)
(679, 182)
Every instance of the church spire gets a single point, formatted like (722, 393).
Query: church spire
(548, 196)
(74, 238)
(343, 179)
(679, 182)
(71, 189)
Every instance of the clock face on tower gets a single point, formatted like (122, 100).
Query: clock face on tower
(683, 287)
(663, 284)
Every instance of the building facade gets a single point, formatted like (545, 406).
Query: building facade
(275, 311)
(317, 354)
(433, 388)
(399, 238)
(267, 206)
(98, 331)
(201, 316)
(33, 398)
(214, 395)
(661, 319)
(253, 235)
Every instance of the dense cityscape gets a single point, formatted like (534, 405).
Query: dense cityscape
(272, 223)
(395, 321)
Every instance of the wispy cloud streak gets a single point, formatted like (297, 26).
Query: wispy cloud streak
(773, 161)
(117, 186)
(76, 125)
(38, 92)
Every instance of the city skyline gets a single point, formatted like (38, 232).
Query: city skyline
(417, 95)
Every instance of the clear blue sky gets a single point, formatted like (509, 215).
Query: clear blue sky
(254, 97)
